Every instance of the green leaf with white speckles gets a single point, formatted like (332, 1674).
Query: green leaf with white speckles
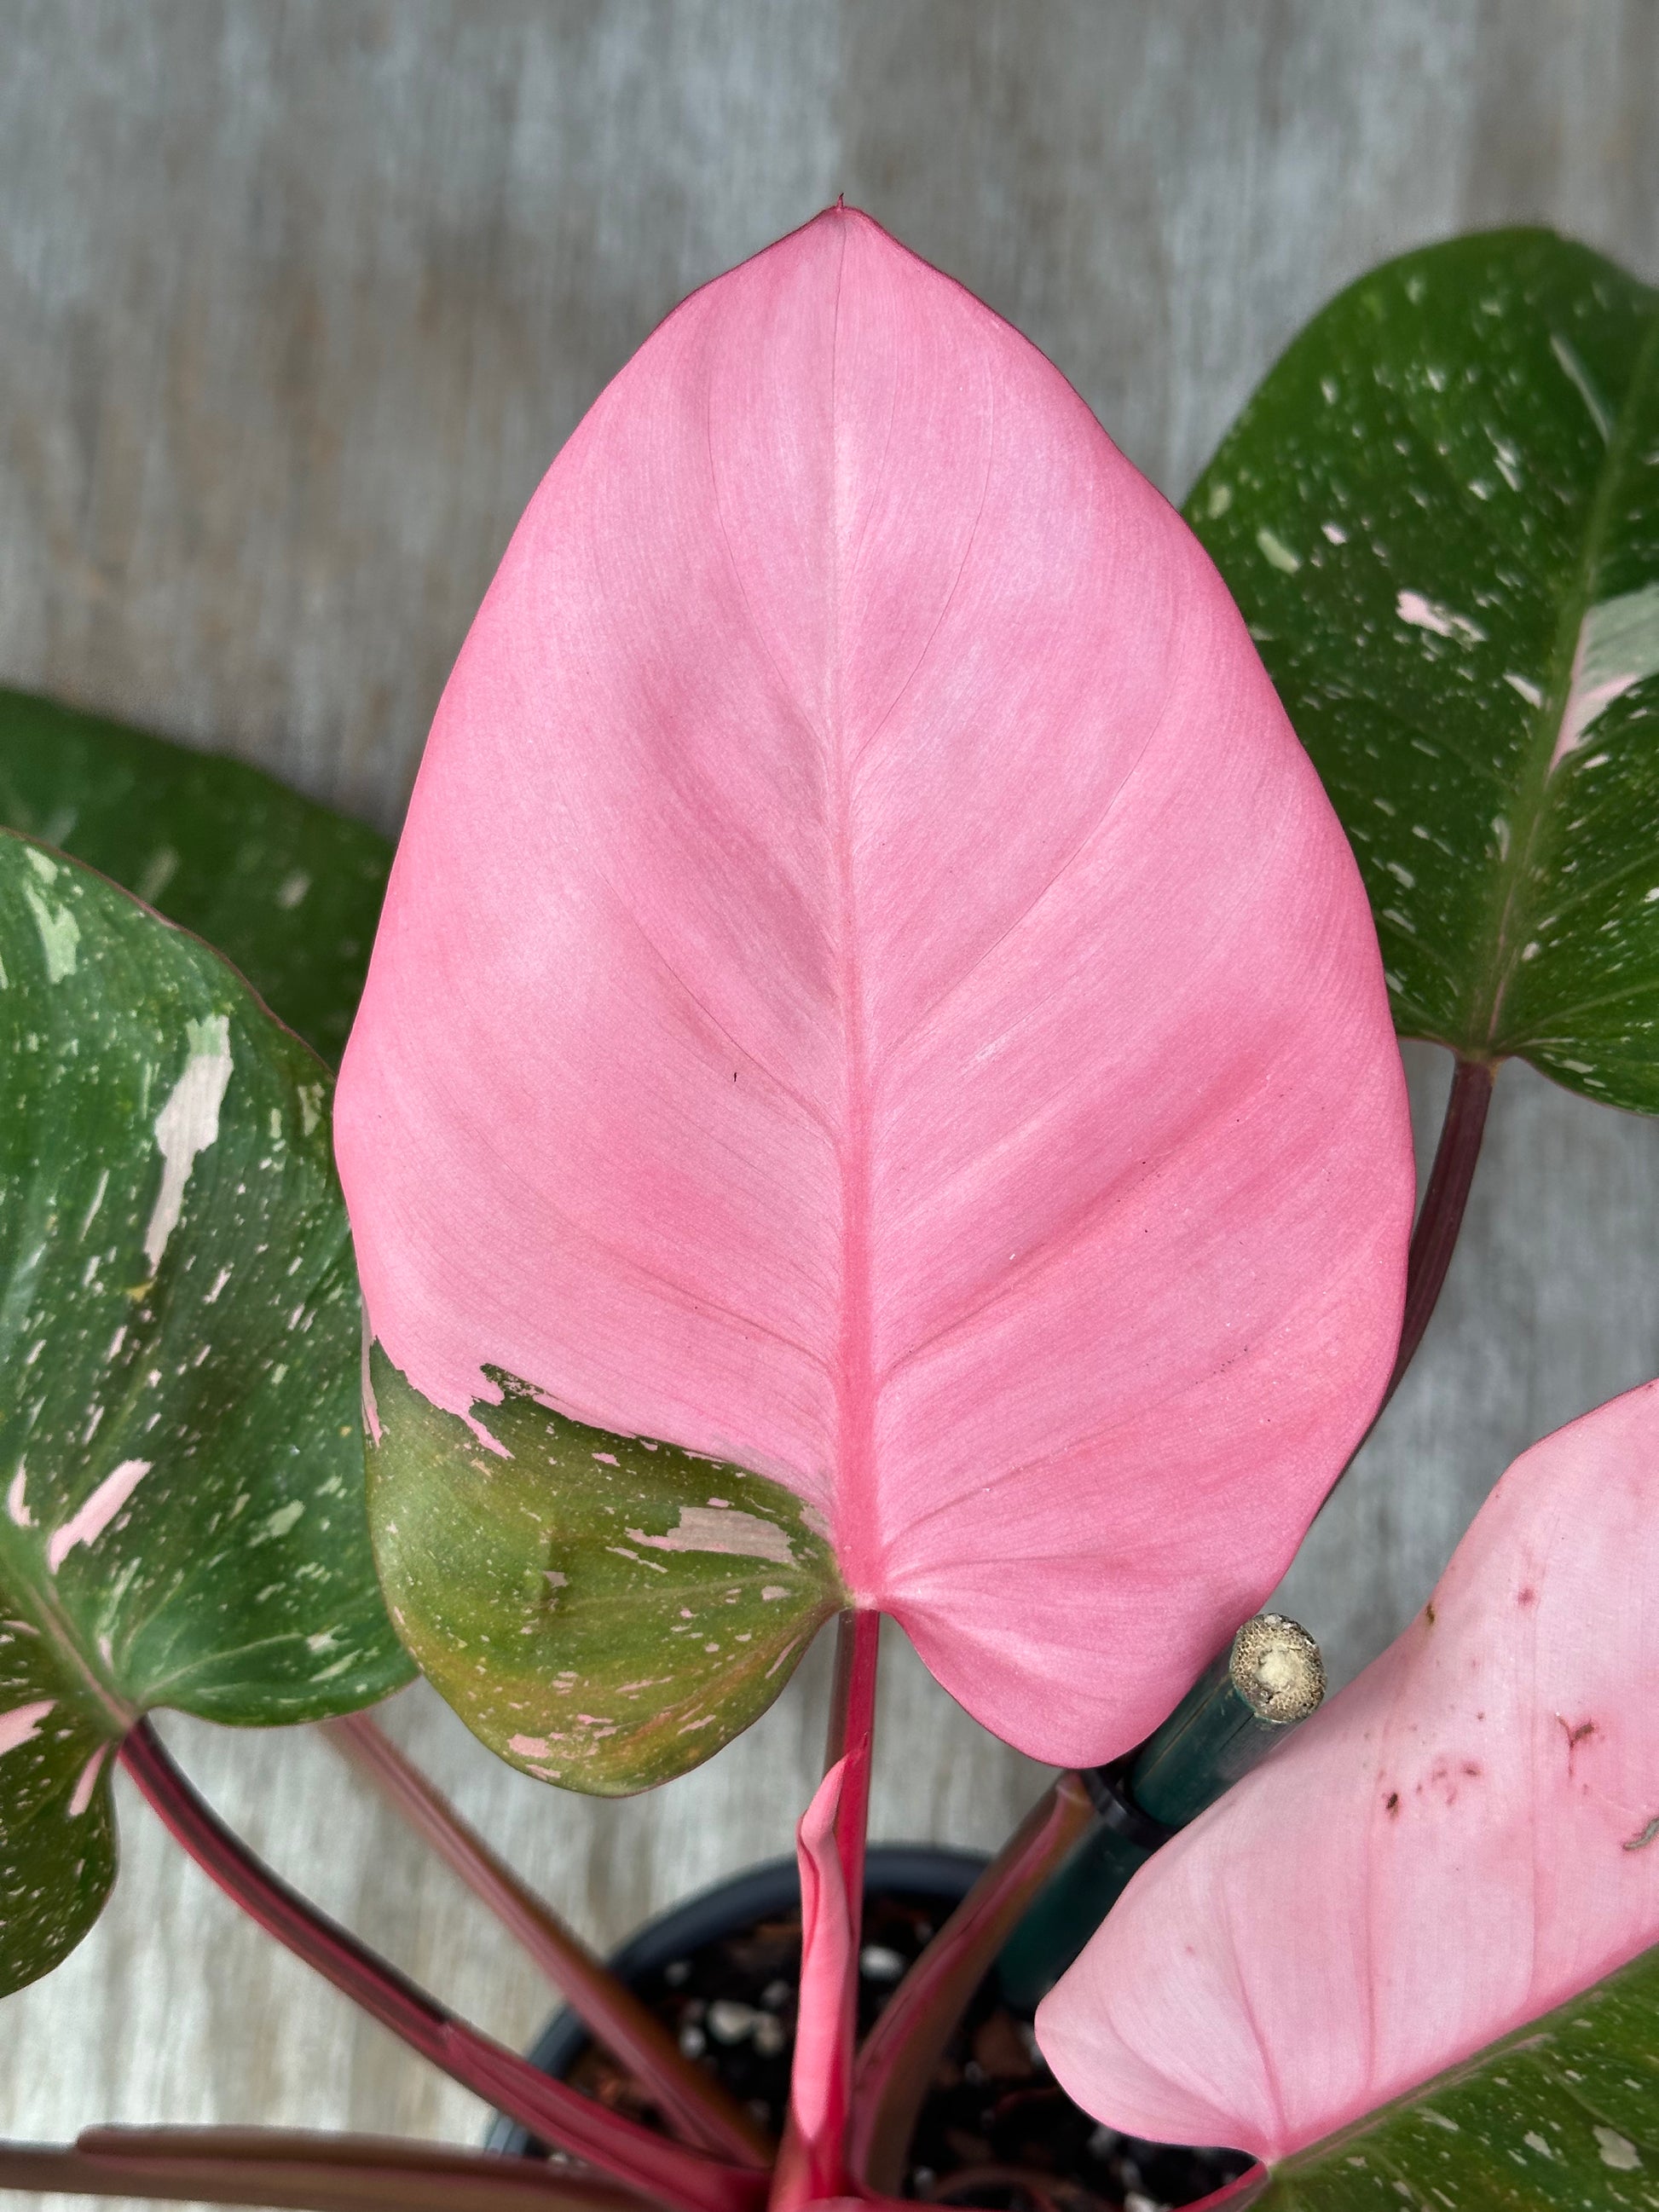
(605, 1612)
(1440, 515)
(287, 891)
(1563, 2114)
(56, 1827)
(181, 1497)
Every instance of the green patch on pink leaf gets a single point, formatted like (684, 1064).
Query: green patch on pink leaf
(602, 1610)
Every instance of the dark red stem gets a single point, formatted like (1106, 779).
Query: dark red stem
(851, 1733)
(900, 2055)
(308, 2172)
(689, 2097)
(1441, 1216)
(628, 2152)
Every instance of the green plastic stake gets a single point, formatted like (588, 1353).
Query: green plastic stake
(1270, 1677)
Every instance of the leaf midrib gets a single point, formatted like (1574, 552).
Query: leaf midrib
(1532, 812)
(42, 1606)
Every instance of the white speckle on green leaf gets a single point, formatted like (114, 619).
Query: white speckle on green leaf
(188, 1124)
(1508, 456)
(1617, 2151)
(1220, 499)
(623, 1552)
(1277, 552)
(311, 1106)
(1618, 648)
(292, 890)
(280, 1523)
(60, 932)
(91, 1213)
(158, 872)
(1421, 613)
(744, 1535)
(1599, 413)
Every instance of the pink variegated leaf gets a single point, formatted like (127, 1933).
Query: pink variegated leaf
(1462, 1839)
(870, 993)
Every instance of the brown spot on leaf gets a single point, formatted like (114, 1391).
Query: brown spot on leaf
(1528, 1596)
(1575, 1736)
(1391, 1804)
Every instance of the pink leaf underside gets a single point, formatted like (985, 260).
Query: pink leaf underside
(1460, 1841)
(817, 2085)
(872, 990)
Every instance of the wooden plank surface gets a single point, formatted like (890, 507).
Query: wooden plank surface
(297, 300)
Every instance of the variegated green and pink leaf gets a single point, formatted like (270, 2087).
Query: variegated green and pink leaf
(183, 1520)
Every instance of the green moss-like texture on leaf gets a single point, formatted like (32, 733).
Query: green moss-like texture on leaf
(287, 891)
(1563, 2114)
(1440, 514)
(605, 1612)
(182, 1519)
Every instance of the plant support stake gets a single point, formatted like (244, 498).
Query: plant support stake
(1270, 1677)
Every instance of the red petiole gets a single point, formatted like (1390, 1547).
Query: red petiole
(896, 2064)
(811, 2169)
(310, 2172)
(689, 2099)
(629, 2154)
(1439, 1219)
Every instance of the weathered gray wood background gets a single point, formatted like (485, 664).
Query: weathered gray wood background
(297, 300)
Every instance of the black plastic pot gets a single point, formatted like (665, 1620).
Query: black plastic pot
(994, 2082)
(921, 1871)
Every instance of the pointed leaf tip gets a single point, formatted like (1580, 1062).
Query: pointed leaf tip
(1462, 1840)
(873, 992)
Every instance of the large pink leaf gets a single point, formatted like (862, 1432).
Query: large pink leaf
(871, 990)
(1462, 1840)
